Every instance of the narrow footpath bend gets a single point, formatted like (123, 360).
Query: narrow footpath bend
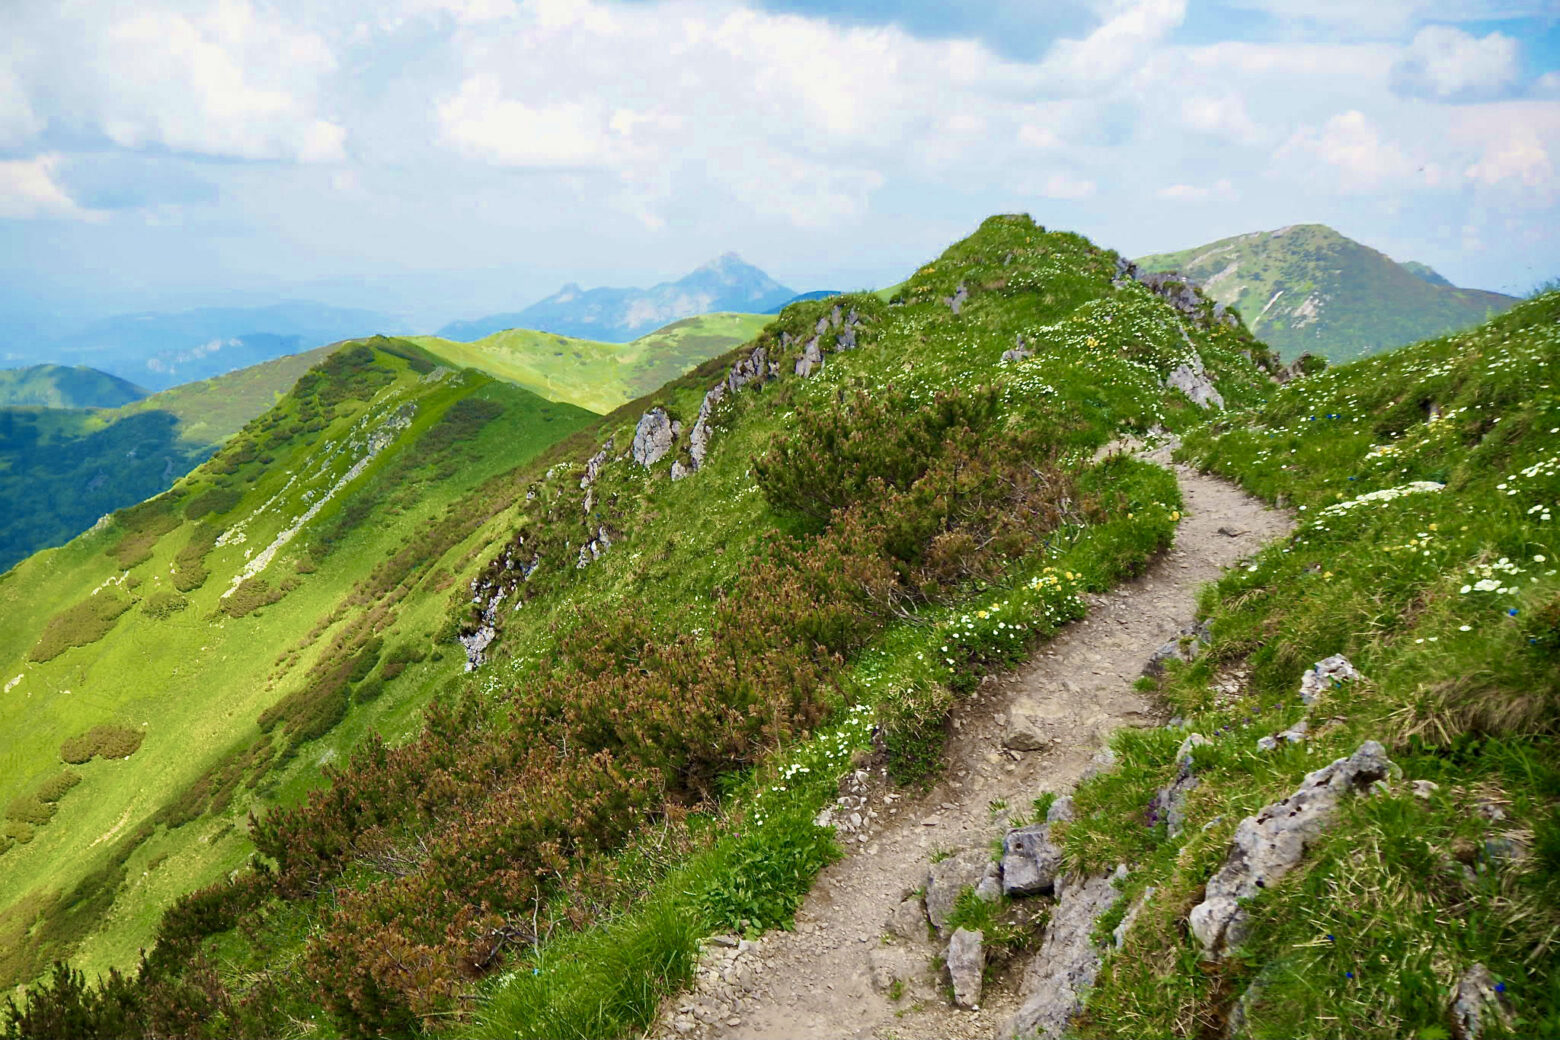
(817, 981)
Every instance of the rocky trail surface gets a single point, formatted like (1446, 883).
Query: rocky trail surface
(860, 962)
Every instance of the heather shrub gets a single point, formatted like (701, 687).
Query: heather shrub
(189, 564)
(28, 809)
(141, 525)
(163, 604)
(80, 625)
(56, 787)
(842, 453)
(251, 595)
(106, 741)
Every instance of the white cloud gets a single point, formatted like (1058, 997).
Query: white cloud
(1033, 136)
(229, 79)
(482, 123)
(1448, 64)
(30, 190)
(1134, 28)
(1521, 160)
(1349, 149)
(1221, 116)
(1381, 18)
(1547, 85)
(1066, 186)
(794, 117)
(18, 121)
(1220, 189)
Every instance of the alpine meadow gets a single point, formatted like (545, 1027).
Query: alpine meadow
(428, 705)
(759, 520)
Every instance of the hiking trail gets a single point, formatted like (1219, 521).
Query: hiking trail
(817, 981)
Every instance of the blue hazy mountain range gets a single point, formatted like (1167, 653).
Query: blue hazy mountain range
(726, 283)
(59, 386)
(158, 351)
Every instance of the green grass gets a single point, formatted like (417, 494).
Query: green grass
(56, 386)
(1444, 599)
(194, 681)
(200, 681)
(594, 375)
(1339, 298)
(62, 468)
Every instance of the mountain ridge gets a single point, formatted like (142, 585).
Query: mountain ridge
(1306, 288)
(62, 386)
(726, 283)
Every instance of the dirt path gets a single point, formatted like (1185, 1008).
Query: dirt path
(818, 980)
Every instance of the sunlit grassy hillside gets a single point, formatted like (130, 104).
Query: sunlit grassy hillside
(162, 639)
(887, 498)
(1427, 482)
(594, 375)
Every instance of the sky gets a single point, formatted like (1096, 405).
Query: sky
(439, 159)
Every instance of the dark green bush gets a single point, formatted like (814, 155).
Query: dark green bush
(56, 787)
(213, 501)
(80, 625)
(251, 595)
(28, 809)
(163, 604)
(107, 741)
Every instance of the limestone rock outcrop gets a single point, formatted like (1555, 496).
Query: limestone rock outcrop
(1270, 844)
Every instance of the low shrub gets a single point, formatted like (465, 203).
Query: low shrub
(56, 787)
(163, 604)
(189, 565)
(214, 501)
(251, 595)
(106, 741)
(28, 809)
(80, 625)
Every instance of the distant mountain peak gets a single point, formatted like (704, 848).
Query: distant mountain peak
(726, 283)
(1310, 288)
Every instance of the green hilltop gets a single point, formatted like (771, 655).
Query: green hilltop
(598, 375)
(173, 627)
(1308, 289)
(60, 386)
(64, 467)
(246, 738)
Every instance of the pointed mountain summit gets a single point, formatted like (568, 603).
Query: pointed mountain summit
(727, 283)
(1307, 288)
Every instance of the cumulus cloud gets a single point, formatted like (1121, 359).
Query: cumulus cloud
(1220, 189)
(18, 122)
(1351, 151)
(229, 80)
(1521, 160)
(1132, 30)
(795, 117)
(1447, 64)
(30, 190)
(1065, 186)
(1222, 116)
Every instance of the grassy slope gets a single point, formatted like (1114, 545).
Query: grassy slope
(212, 410)
(1365, 301)
(195, 681)
(594, 375)
(1448, 603)
(1101, 354)
(63, 468)
(59, 386)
